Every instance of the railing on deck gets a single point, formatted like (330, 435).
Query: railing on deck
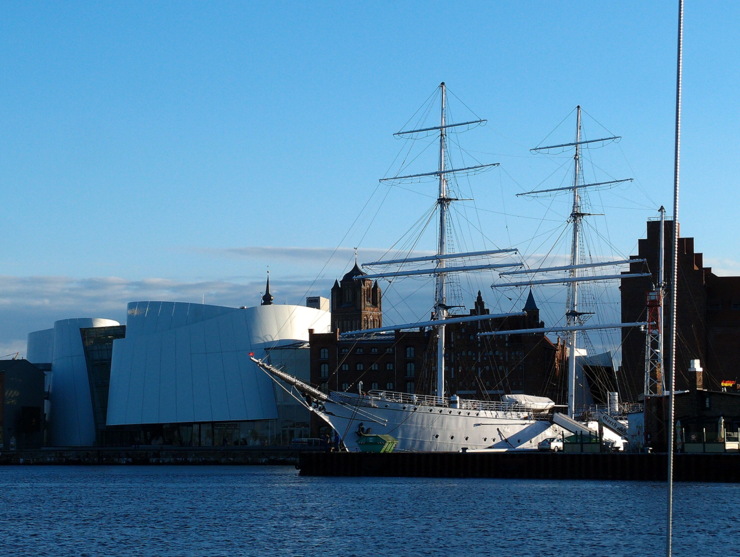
(375, 398)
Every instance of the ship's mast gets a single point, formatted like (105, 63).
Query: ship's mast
(441, 269)
(440, 301)
(573, 318)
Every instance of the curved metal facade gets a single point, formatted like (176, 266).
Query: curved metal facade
(71, 421)
(184, 362)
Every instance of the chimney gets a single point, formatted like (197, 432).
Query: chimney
(695, 367)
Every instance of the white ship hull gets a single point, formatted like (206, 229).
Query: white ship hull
(425, 426)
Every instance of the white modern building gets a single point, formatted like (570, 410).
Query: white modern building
(185, 363)
(181, 366)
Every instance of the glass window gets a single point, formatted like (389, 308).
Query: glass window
(324, 371)
(324, 354)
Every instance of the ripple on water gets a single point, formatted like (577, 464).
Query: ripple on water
(253, 510)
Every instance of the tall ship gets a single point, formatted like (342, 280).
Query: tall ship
(439, 421)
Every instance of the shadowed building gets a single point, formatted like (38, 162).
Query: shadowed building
(707, 318)
(21, 405)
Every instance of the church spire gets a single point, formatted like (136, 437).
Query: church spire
(267, 298)
(531, 305)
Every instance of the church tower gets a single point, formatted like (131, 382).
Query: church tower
(355, 303)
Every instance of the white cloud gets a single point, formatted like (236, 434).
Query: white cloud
(30, 304)
(723, 267)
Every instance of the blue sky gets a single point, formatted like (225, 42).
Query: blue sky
(177, 150)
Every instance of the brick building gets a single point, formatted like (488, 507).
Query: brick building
(355, 304)
(707, 317)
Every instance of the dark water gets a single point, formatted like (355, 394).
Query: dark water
(256, 510)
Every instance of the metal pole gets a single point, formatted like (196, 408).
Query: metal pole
(674, 280)
(661, 316)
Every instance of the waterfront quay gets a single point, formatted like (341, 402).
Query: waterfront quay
(721, 467)
(153, 455)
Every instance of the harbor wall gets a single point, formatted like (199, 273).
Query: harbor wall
(708, 467)
(152, 455)
(526, 465)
